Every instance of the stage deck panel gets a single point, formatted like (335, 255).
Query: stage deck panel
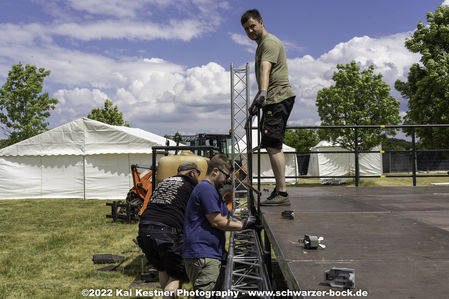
(395, 238)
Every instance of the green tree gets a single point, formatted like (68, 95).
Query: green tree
(23, 107)
(357, 98)
(395, 144)
(109, 114)
(427, 87)
(301, 139)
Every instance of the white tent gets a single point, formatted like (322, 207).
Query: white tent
(81, 159)
(291, 163)
(337, 164)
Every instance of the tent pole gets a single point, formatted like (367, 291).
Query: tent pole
(42, 176)
(129, 172)
(84, 177)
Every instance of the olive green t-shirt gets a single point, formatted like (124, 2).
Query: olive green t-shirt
(272, 50)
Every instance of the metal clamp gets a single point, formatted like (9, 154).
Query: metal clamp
(288, 214)
(312, 242)
(340, 277)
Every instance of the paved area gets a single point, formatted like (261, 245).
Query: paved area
(395, 238)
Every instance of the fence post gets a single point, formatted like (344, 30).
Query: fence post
(389, 162)
(414, 155)
(356, 152)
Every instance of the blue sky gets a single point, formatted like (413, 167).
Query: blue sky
(165, 63)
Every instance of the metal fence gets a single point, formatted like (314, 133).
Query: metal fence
(416, 160)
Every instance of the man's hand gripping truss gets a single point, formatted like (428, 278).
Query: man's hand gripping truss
(258, 103)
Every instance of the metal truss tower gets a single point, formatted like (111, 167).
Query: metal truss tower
(239, 142)
(245, 269)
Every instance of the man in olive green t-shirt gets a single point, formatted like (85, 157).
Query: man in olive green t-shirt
(275, 97)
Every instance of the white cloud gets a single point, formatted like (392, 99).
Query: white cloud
(116, 8)
(158, 93)
(184, 30)
(28, 34)
(205, 84)
(189, 101)
(154, 60)
(77, 102)
(445, 2)
(308, 75)
(116, 19)
(90, 9)
(292, 47)
(172, 97)
(243, 40)
(388, 54)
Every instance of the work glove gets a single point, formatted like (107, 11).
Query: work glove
(258, 102)
(249, 222)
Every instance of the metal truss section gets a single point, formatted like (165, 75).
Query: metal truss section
(245, 268)
(246, 272)
(239, 113)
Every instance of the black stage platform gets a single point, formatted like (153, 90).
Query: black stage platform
(396, 238)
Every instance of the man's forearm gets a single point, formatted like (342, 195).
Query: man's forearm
(223, 223)
(228, 225)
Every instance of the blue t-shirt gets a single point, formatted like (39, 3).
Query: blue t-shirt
(201, 240)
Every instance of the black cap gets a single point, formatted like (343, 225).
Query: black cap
(188, 166)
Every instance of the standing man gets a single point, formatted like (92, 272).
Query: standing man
(205, 224)
(161, 225)
(275, 97)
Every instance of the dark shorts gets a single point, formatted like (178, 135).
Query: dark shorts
(162, 246)
(274, 122)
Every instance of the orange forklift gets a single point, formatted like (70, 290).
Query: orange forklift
(137, 198)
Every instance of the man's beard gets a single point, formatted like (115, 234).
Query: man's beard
(194, 179)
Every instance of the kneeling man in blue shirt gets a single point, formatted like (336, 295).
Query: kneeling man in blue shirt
(205, 224)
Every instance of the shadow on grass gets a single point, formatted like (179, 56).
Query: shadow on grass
(136, 267)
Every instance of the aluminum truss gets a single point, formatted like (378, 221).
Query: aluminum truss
(239, 113)
(245, 269)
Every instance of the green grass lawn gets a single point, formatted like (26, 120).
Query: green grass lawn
(46, 248)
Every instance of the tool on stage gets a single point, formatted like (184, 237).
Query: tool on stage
(312, 242)
(288, 214)
(340, 278)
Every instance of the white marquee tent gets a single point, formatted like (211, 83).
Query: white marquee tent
(337, 164)
(81, 159)
(291, 163)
